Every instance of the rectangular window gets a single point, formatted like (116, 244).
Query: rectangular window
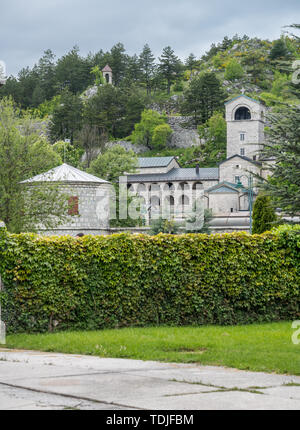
(73, 206)
(242, 137)
(242, 151)
(236, 179)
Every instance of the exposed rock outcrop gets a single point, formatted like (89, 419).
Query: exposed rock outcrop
(184, 133)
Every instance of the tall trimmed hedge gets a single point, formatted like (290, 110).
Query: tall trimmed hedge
(125, 280)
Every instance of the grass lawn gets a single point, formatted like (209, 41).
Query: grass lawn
(258, 347)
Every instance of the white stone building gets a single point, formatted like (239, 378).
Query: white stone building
(88, 203)
(165, 187)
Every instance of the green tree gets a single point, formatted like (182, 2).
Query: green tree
(255, 62)
(162, 225)
(147, 62)
(144, 131)
(264, 215)
(66, 118)
(169, 67)
(161, 135)
(203, 97)
(191, 62)
(68, 152)
(91, 140)
(46, 69)
(99, 79)
(214, 136)
(234, 70)
(283, 147)
(106, 110)
(110, 165)
(74, 72)
(118, 61)
(113, 163)
(279, 50)
(24, 154)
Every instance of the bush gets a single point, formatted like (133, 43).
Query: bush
(264, 215)
(139, 280)
(234, 70)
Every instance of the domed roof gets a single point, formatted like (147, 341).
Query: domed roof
(67, 174)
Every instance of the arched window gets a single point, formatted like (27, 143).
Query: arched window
(169, 204)
(155, 201)
(183, 186)
(141, 188)
(169, 187)
(107, 77)
(154, 188)
(197, 186)
(242, 114)
(130, 188)
(184, 200)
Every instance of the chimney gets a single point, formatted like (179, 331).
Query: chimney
(197, 170)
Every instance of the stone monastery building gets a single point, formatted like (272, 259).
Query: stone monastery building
(161, 181)
(164, 188)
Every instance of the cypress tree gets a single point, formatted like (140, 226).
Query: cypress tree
(263, 214)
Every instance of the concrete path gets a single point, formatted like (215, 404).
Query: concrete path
(36, 380)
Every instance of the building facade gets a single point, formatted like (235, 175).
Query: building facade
(89, 201)
(166, 188)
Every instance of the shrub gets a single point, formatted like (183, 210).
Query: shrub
(264, 215)
(123, 280)
(234, 70)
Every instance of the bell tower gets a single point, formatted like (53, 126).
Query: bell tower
(107, 74)
(245, 119)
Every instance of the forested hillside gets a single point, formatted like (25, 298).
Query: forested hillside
(70, 96)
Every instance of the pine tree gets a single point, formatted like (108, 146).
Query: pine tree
(263, 215)
(147, 67)
(203, 97)
(169, 66)
(191, 62)
(283, 146)
(279, 50)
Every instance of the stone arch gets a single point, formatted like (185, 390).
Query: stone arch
(154, 188)
(141, 188)
(130, 188)
(197, 186)
(183, 186)
(242, 113)
(155, 201)
(169, 187)
(184, 200)
(169, 204)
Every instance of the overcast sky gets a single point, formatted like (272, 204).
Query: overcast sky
(28, 27)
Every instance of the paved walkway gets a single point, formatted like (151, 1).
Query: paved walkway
(36, 380)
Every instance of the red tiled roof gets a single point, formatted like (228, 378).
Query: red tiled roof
(107, 69)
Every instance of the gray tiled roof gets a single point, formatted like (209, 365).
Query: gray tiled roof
(155, 161)
(178, 174)
(243, 157)
(65, 173)
(225, 187)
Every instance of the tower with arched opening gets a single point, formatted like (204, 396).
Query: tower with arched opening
(107, 74)
(245, 119)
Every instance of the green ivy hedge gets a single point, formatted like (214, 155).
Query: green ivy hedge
(55, 283)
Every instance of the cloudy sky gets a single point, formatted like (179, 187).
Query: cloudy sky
(28, 27)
